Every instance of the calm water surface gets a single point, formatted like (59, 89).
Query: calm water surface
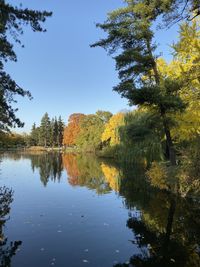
(72, 210)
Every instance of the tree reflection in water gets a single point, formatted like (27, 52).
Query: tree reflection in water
(7, 250)
(85, 171)
(166, 229)
(49, 165)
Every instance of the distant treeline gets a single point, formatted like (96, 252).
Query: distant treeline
(48, 134)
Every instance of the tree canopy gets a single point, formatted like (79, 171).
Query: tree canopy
(130, 39)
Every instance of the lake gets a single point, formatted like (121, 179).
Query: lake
(74, 210)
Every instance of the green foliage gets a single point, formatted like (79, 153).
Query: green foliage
(141, 139)
(34, 136)
(189, 170)
(12, 140)
(49, 133)
(60, 131)
(104, 115)
(91, 130)
(49, 166)
(45, 130)
(130, 38)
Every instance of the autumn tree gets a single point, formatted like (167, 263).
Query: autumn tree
(130, 39)
(72, 130)
(104, 115)
(91, 129)
(111, 134)
(186, 64)
(12, 20)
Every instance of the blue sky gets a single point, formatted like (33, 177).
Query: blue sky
(62, 72)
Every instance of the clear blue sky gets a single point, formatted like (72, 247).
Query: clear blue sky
(62, 72)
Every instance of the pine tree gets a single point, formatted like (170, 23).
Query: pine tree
(169, 11)
(34, 136)
(60, 131)
(52, 133)
(45, 130)
(130, 39)
(55, 133)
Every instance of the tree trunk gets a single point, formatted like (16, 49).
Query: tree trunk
(170, 146)
(172, 154)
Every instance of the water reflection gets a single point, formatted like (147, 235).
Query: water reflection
(85, 171)
(165, 227)
(112, 176)
(7, 249)
(49, 165)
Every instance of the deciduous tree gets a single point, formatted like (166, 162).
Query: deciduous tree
(72, 130)
(111, 133)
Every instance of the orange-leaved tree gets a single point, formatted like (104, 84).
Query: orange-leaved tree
(72, 130)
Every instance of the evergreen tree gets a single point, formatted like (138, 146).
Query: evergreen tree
(60, 131)
(12, 19)
(55, 133)
(34, 136)
(173, 11)
(130, 38)
(52, 143)
(45, 130)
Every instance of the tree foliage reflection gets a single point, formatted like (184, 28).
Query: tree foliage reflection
(7, 249)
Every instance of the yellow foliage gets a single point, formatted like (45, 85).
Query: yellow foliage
(186, 65)
(158, 176)
(111, 129)
(111, 176)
